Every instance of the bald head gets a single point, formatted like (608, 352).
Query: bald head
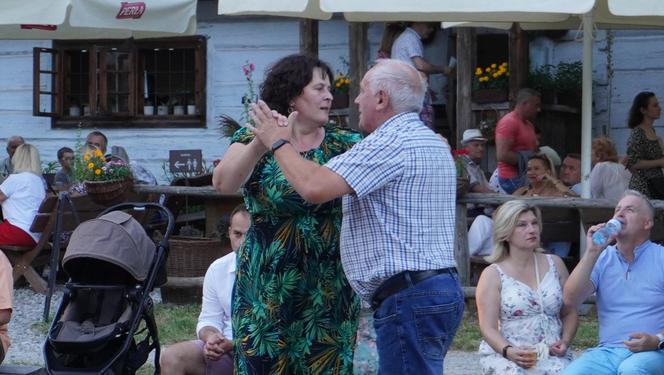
(12, 143)
(402, 83)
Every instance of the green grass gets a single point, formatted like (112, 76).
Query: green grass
(176, 322)
(468, 335)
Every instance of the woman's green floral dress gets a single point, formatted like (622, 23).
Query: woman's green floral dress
(293, 311)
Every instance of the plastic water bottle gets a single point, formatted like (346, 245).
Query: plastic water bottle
(602, 236)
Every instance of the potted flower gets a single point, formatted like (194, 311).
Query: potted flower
(162, 108)
(178, 107)
(490, 83)
(148, 108)
(341, 86)
(107, 182)
(191, 106)
(340, 91)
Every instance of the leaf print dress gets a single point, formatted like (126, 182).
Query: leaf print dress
(526, 321)
(293, 310)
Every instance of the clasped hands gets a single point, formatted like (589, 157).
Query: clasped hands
(269, 125)
(216, 346)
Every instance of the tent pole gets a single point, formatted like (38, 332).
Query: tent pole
(586, 103)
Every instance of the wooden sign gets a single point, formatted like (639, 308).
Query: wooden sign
(185, 161)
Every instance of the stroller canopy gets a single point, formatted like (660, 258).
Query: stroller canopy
(116, 238)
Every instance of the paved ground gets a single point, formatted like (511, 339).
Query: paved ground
(28, 339)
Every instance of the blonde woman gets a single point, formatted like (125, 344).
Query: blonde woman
(520, 301)
(20, 195)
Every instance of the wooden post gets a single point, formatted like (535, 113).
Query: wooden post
(358, 51)
(518, 64)
(461, 245)
(309, 37)
(466, 46)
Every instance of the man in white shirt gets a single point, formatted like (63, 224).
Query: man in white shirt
(212, 353)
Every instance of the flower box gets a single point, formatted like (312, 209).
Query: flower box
(110, 192)
(340, 100)
(489, 95)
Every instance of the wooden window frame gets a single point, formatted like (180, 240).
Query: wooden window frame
(99, 116)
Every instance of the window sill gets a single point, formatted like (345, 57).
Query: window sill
(154, 121)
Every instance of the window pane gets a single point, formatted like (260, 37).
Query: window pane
(46, 82)
(45, 104)
(170, 78)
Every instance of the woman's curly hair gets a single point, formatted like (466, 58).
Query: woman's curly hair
(287, 77)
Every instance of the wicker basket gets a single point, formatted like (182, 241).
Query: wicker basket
(191, 256)
(108, 193)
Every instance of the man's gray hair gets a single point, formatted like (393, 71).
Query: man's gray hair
(14, 138)
(402, 83)
(526, 94)
(646, 202)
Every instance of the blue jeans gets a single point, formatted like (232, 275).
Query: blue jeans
(511, 184)
(610, 361)
(415, 326)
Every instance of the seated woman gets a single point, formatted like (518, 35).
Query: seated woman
(608, 179)
(520, 300)
(542, 182)
(20, 195)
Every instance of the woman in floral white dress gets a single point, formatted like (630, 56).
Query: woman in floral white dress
(520, 300)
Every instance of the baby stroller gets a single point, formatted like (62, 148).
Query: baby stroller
(112, 265)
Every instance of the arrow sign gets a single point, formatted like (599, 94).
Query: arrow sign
(186, 161)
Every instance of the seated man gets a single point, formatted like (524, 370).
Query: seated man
(629, 283)
(6, 296)
(212, 353)
(6, 167)
(570, 172)
(474, 145)
(65, 175)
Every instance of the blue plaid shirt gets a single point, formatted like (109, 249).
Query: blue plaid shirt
(402, 215)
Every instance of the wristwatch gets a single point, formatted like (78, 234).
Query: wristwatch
(280, 142)
(660, 346)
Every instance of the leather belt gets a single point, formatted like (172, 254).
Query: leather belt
(404, 280)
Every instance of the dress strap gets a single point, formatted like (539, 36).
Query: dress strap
(537, 291)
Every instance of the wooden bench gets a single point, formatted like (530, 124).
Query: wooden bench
(25, 259)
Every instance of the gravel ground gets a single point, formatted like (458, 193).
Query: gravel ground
(27, 343)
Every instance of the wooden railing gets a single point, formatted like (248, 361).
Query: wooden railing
(461, 241)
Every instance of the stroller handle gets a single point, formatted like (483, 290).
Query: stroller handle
(142, 206)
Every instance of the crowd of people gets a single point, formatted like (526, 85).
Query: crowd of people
(335, 219)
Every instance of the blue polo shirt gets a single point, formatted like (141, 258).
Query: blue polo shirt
(630, 296)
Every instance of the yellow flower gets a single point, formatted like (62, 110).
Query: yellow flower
(347, 81)
(86, 157)
(338, 85)
(495, 75)
(504, 64)
(98, 153)
(91, 165)
(97, 172)
(478, 71)
(487, 70)
(493, 66)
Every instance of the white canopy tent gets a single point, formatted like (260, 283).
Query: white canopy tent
(96, 19)
(543, 14)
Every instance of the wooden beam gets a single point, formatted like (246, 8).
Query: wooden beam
(309, 37)
(358, 52)
(518, 64)
(461, 253)
(466, 47)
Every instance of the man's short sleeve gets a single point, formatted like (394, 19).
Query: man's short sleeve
(369, 165)
(598, 267)
(506, 129)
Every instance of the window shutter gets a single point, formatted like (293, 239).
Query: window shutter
(46, 91)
